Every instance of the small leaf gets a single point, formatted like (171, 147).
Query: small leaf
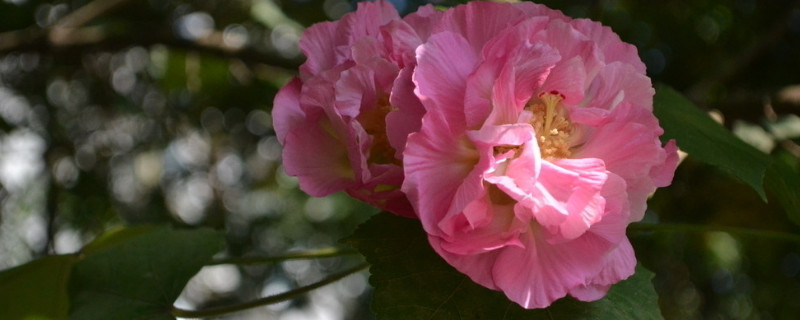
(412, 282)
(36, 290)
(783, 180)
(707, 141)
(138, 273)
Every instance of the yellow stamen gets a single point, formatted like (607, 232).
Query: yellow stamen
(551, 125)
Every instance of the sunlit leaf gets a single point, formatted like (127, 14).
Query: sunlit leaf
(705, 140)
(36, 290)
(412, 282)
(139, 277)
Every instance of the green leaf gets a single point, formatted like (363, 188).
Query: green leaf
(783, 180)
(115, 236)
(36, 290)
(697, 134)
(138, 273)
(412, 282)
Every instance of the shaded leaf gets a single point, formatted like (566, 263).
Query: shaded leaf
(138, 273)
(783, 180)
(697, 134)
(114, 236)
(36, 290)
(412, 282)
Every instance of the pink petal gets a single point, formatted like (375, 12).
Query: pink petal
(662, 174)
(513, 88)
(610, 44)
(443, 65)
(286, 112)
(437, 166)
(424, 20)
(318, 38)
(479, 22)
(618, 83)
(618, 265)
(382, 190)
(317, 158)
(568, 196)
(496, 228)
(540, 273)
(407, 117)
(568, 79)
(367, 20)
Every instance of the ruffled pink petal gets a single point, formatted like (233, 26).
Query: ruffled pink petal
(512, 66)
(403, 37)
(317, 158)
(437, 164)
(531, 9)
(367, 20)
(617, 83)
(382, 190)
(618, 265)
(536, 272)
(406, 118)
(628, 143)
(495, 230)
(424, 20)
(662, 174)
(540, 273)
(286, 112)
(568, 79)
(402, 41)
(609, 43)
(571, 43)
(569, 195)
(479, 22)
(526, 69)
(318, 38)
(444, 63)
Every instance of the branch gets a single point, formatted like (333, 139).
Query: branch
(91, 39)
(213, 312)
(66, 30)
(313, 254)
(69, 35)
(677, 227)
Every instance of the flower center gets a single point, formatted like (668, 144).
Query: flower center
(374, 123)
(551, 125)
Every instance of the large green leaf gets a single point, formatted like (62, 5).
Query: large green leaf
(36, 290)
(138, 273)
(702, 138)
(412, 282)
(783, 180)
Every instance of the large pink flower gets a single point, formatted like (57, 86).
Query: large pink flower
(344, 121)
(538, 148)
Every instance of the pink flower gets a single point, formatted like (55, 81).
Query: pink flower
(538, 148)
(343, 122)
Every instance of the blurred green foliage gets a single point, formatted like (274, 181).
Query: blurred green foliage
(131, 112)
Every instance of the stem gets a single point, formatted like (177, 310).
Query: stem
(213, 312)
(677, 227)
(313, 254)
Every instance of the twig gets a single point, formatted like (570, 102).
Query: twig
(67, 30)
(313, 254)
(212, 312)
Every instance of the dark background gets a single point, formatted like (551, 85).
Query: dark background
(133, 111)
